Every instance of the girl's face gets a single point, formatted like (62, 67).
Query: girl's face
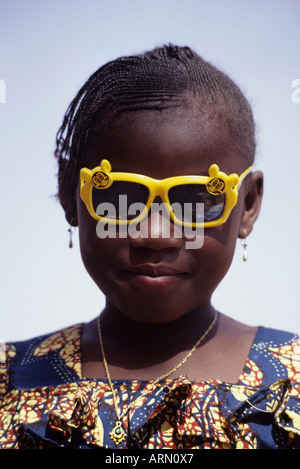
(154, 278)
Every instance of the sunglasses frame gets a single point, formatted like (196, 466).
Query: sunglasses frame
(216, 183)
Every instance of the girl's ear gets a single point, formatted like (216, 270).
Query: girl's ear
(69, 204)
(252, 203)
(71, 212)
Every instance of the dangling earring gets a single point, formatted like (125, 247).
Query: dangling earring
(245, 244)
(70, 230)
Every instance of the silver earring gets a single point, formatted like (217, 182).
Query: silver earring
(245, 244)
(70, 230)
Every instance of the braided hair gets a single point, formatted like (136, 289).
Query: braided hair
(157, 79)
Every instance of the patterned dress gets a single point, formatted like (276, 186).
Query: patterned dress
(46, 403)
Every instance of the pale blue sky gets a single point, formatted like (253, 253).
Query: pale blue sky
(47, 50)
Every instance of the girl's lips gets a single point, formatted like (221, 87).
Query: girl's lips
(154, 276)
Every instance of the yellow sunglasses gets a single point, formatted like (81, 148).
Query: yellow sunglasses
(216, 194)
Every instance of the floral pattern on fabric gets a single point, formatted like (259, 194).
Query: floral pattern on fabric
(46, 403)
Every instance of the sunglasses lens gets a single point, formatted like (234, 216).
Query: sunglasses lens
(185, 198)
(116, 199)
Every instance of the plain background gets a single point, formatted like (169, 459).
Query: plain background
(47, 51)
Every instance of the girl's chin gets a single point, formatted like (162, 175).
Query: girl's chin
(152, 314)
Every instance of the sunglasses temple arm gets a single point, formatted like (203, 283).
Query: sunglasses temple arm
(243, 175)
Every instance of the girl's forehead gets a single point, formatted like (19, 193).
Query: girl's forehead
(180, 140)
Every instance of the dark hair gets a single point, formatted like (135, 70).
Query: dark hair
(157, 79)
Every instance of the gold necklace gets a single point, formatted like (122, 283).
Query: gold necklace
(118, 433)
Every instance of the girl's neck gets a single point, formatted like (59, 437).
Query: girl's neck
(145, 351)
(184, 330)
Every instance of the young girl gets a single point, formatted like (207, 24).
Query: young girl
(155, 159)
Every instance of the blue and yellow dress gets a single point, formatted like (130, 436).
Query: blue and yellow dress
(45, 402)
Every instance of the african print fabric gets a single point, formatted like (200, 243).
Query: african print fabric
(46, 403)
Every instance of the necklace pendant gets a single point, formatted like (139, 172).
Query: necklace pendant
(117, 434)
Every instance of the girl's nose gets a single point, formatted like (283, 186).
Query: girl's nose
(156, 231)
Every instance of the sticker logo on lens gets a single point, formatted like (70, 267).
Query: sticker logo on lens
(215, 186)
(101, 180)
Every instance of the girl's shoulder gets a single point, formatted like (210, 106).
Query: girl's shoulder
(275, 354)
(276, 341)
(276, 335)
(50, 359)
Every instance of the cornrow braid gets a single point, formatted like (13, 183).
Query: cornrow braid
(155, 80)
